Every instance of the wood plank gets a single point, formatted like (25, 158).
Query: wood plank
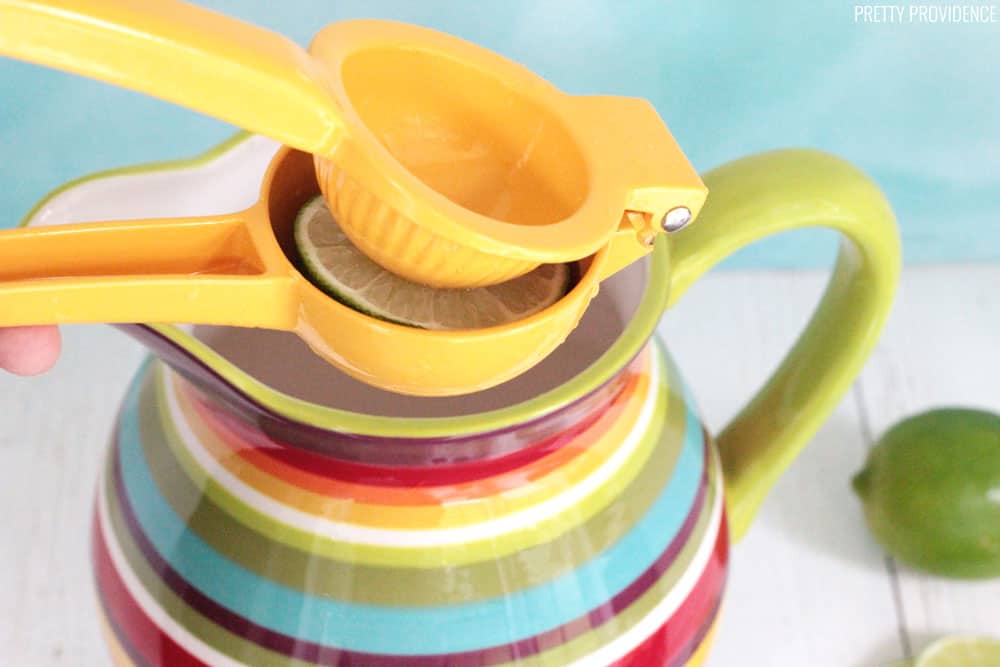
(941, 347)
(808, 586)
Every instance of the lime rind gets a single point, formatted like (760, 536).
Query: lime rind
(313, 267)
(337, 267)
(961, 651)
(926, 489)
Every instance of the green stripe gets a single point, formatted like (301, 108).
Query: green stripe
(589, 641)
(330, 578)
(451, 555)
(208, 632)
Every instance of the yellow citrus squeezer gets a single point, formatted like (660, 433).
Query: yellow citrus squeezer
(444, 162)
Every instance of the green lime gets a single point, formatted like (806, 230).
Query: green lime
(961, 652)
(931, 492)
(337, 267)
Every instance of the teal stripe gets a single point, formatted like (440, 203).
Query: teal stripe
(369, 628)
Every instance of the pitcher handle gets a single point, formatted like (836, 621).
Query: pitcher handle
(773, 192)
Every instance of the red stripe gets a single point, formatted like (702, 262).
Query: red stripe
(709, 586)
(677, 640)
(111, 625)
(141, 637)
(231, 427)
(396, 450)
(672, 644)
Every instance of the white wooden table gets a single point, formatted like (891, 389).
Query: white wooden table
(808, 585)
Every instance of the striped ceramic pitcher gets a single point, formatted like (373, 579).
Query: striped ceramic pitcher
(259, 507)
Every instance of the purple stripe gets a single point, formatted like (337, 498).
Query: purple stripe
(328, 655)
(375, 450)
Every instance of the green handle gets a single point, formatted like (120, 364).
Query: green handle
(775, 192)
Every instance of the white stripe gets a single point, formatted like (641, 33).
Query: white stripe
(609, 653)
(146, 602)
(628, 641)
(351, 533)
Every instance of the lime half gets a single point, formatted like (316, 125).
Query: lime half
(337, 267)
(961, 652)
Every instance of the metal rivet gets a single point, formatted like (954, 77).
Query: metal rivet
(676, 219)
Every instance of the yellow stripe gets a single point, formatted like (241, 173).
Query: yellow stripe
(118, 655)
(424, 556)
(421, 517)
(699, 657)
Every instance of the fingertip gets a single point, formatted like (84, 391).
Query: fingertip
(29, 350)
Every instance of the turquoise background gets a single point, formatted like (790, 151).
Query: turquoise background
(917, 106)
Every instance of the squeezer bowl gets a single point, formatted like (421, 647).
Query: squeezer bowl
(403, 246)
(459, 168)
(443, 161)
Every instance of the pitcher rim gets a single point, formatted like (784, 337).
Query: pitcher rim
(635, 333)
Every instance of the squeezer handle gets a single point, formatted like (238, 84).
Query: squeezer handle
(198, 271)
(200, 59)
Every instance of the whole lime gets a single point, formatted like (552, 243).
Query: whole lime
(931, 492)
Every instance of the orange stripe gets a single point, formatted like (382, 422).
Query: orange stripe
(438, 495)
(482, 500)
(118, 655)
